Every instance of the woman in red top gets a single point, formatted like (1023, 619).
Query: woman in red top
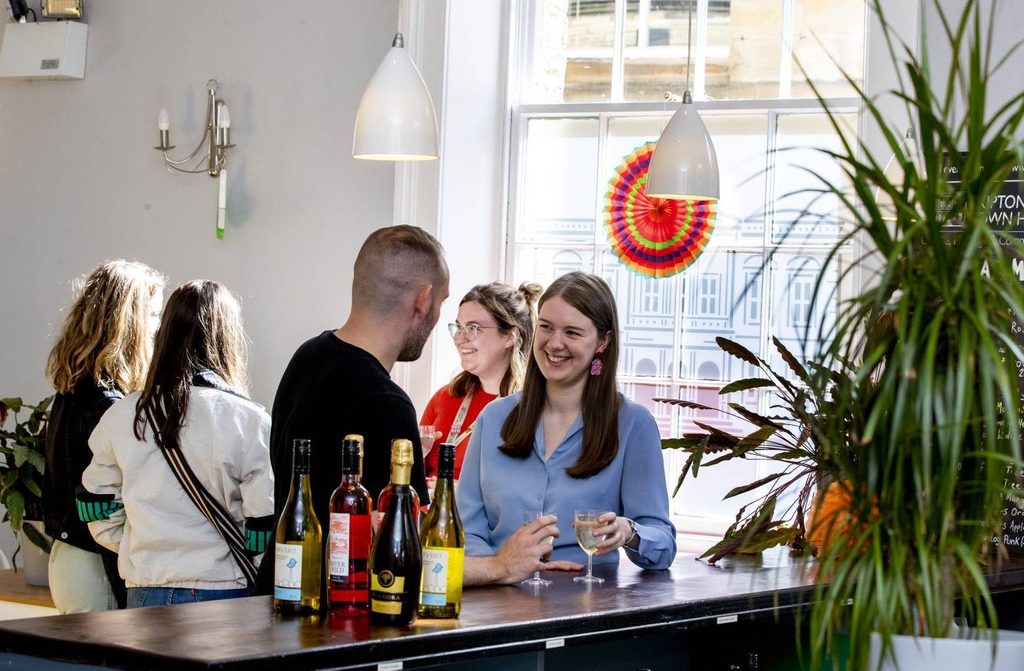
(493, 334)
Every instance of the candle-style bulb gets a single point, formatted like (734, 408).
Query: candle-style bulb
(225, 117)
(162, 121)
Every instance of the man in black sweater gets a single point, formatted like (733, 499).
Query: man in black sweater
(339, 382)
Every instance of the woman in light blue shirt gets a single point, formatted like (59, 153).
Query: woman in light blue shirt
(569, 441)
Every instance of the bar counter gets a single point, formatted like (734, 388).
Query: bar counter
(641, 617)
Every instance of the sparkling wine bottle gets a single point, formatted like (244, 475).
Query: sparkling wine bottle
(444, 544)
(396, 562)
(382, 506)
(299, 548)
(349, 540)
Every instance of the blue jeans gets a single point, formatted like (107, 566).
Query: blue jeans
(140, 597)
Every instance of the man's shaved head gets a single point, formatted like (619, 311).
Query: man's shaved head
(394, 263)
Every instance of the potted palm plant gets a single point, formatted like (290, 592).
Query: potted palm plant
(923, 431)
(21, 469)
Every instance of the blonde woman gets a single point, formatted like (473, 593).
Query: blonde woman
(101, 353)
(492, 332)
(168, 551)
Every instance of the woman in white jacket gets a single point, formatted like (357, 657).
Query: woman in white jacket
(169, 552)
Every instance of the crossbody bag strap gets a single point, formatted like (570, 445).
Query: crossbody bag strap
(207, 504)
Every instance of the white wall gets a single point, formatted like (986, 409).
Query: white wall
(80, 182)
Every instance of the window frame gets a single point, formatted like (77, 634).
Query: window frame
(768, 316)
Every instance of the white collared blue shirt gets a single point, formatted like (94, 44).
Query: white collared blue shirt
(494, 489)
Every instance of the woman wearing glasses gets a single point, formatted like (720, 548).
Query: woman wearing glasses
(493, 334)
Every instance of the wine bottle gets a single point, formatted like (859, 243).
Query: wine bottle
(396, 562)
(298, 551)
(444, 544)
(348, 544)
(382, 506)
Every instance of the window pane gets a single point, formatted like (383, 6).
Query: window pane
(744, 49)
(803, 213)
(545, 264)
(828, 40)
(796, 316)
(589, 38)
(655, 49)
(741, 146)
(559, 197)
(644, 394)
(646, 319)
(714, 304)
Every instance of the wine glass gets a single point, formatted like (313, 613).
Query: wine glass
(584, 522)
(428, 434)
(529, 516)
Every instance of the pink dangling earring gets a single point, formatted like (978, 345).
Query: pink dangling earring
(596, 367)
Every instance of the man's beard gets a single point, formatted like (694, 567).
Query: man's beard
(412, 348)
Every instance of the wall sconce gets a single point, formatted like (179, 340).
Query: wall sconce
(217, 137)
(63, 9)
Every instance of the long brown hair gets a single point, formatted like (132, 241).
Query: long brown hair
(201, 330)
(600, 407)
(513, 310)
(105, 335)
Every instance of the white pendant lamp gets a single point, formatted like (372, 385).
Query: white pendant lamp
(684, 165)
(395, 120)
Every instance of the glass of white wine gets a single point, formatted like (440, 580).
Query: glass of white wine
(529, 516)
(584, 522)
(428, 434)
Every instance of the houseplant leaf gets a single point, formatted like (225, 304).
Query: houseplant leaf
(744, 385)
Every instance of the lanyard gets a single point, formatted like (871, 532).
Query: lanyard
(453, 436)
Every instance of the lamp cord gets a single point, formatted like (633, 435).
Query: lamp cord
(689, 41)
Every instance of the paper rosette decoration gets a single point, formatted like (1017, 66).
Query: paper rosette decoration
(656, 237)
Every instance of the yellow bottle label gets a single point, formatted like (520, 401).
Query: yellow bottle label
(442, 576)
(386, 592)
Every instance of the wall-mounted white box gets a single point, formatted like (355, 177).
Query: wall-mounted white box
(44, 50)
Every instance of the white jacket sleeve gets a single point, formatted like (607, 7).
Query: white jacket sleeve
(256, 485)
(100, 503)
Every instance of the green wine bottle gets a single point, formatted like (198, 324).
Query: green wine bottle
(298, 553)
(395, 561)
(444, 544)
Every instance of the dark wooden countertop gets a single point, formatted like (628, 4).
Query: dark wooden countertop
(245, 633)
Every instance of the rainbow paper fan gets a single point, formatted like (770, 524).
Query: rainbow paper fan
(656, 237)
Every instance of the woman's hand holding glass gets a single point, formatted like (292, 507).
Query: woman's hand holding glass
(598, 533)
(613, 530)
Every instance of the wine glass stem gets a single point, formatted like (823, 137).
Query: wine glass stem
(536, 575)
(590, 566)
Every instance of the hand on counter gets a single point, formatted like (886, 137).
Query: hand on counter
(519, 557)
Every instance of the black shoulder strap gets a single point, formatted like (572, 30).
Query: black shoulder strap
(206, 503)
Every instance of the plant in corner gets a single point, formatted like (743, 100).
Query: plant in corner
(924, 463)
(23, 464)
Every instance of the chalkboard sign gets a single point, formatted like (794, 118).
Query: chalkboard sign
(1007, 213)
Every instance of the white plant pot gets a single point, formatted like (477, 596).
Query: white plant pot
(34, 561)
(952, 654)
